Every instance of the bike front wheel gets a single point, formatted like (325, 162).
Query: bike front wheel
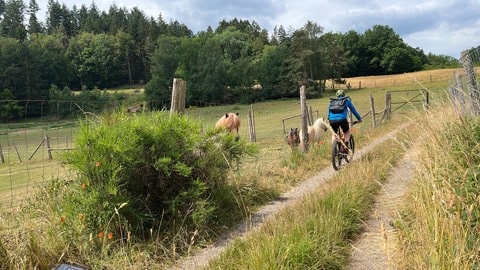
(351, 146)
(337, 155)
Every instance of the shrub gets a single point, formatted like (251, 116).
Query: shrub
(143, 171)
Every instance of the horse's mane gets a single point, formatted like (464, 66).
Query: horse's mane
(320, 123)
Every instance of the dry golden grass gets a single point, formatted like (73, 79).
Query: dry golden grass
(413, 78)
(439, 229)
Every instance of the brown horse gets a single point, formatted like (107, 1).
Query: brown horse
(229, 122)
(293, 138)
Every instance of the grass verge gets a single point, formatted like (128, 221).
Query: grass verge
(315, 233)
(439, 228)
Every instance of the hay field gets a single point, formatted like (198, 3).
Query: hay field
(413, 78)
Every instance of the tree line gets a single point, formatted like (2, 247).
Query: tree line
(238, 61)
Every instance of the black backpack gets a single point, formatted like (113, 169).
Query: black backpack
(338, 105)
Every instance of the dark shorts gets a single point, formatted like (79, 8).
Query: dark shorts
(335, 124)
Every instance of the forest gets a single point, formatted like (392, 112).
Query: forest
(89, 50)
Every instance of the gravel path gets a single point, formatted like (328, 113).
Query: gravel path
(201, 258)
(376, 248)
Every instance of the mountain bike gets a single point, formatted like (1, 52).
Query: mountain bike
(342, 151)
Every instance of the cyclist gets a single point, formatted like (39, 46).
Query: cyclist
(337, 114)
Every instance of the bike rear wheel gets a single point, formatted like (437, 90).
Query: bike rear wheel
(337, 155)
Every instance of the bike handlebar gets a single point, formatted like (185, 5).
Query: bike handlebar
(356, 122)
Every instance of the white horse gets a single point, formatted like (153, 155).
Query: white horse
(315, 131)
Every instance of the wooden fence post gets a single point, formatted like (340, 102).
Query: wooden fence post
(178, 96)
(372, 108)
(388, 105)
(427, 98)
(471, 81)
(16, 150)
(49, 150)
(1, 154)
(310, 116)
(303, 108)
(251, 124)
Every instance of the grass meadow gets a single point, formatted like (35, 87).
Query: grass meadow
(312, 234)
(27, 157)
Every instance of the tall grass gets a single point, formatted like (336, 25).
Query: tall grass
(315, 233)
(440, 228)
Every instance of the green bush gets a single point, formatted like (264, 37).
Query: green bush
(137, 172)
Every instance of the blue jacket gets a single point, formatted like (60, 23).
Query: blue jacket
(343, 115)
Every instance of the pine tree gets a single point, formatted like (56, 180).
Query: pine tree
(33, 25)
(12, 22)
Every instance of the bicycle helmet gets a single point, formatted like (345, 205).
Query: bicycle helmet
(340, 93)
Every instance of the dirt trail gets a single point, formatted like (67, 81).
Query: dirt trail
(200, 259)
(376, 247)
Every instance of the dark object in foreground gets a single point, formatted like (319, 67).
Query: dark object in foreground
(67, 267)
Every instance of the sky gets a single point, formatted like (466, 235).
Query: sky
(441, 27)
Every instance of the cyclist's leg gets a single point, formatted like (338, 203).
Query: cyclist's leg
(347, 136)
(346, 130)
(335, 126)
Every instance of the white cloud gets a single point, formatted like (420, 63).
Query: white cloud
(447, 39)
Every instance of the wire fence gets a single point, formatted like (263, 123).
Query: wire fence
(31, 149)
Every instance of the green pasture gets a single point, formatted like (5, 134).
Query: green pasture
(23, 142)
(268, 115)
(26, 157)
(127, 89)
(26, 160)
